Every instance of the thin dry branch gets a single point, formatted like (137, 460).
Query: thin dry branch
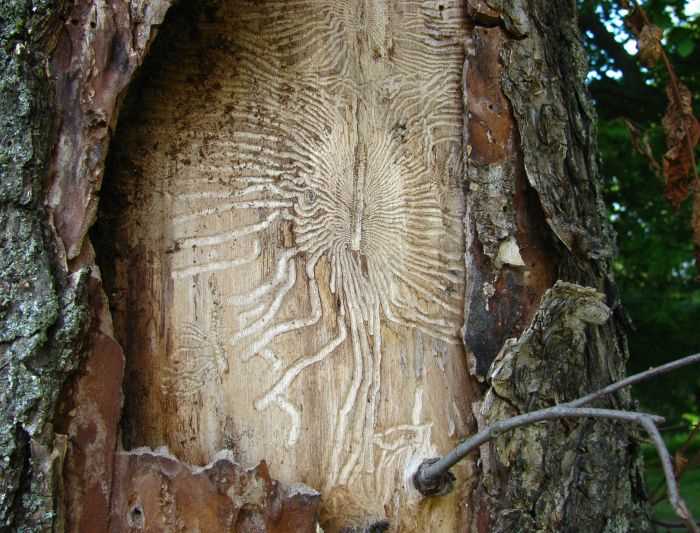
(636, 378)
(671, 484)
(670, 525)
(693, 433)
(433, 477)
(428, 474)
(658, 493)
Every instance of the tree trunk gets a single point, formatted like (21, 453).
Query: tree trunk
(320, 224)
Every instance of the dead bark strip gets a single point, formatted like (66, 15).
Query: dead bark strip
(577, 476)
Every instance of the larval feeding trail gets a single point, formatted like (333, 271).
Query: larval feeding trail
(346, 138)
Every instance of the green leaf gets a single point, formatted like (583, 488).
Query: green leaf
(692, 418)
(686, 46)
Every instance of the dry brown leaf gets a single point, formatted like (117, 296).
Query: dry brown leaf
(681, 127)
(682, 134)
(681, 461)
(636, 20)
(650, 50)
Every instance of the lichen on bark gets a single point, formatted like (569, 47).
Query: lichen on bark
(42, 321)
(42, 315)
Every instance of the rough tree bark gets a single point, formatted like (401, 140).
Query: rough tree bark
(327, 247)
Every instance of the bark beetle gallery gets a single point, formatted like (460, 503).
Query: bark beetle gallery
(294, 235)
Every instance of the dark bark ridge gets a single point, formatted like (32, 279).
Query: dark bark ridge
(42, 312)
(570, 475)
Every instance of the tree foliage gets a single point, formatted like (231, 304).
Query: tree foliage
(655, 269)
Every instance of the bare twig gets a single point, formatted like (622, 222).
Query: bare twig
(689, 440)
(427, 474)
(636, 378)
(433, 476)
(671, 484)
(670, 525)
(674, 428)
(658, 493)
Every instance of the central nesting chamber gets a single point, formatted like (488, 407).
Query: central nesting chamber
(288, 266)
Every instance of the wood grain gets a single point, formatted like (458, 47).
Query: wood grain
(290, 258)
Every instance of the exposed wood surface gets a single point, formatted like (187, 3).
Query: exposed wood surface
(288, 256)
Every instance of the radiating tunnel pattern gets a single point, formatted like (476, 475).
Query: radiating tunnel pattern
(328, 203)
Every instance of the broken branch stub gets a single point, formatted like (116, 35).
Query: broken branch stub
(432, 483)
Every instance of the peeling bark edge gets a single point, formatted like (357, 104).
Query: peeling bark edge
(58, 63)
(98, 50)
(44, 313)
(162, 490)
